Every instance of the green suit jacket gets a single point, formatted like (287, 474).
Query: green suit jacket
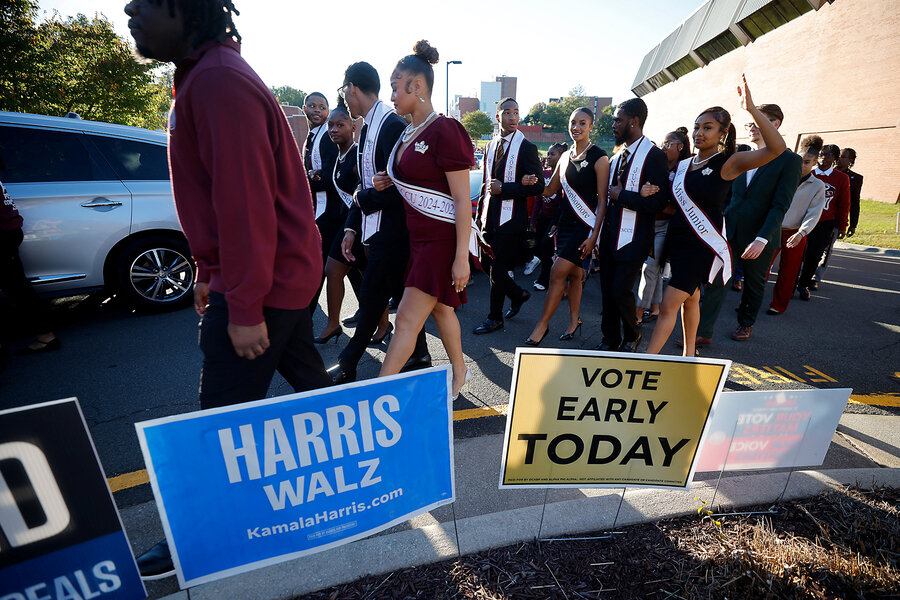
(757, 210)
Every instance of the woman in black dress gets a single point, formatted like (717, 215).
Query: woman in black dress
(705, 182)
(583, 174)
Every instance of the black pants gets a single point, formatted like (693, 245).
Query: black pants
(617, 281)
(383, 280)
(816, 243)
(15, 285)
(228, 379)
(507, 248)
(544, 249)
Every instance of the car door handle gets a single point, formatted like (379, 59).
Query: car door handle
(98, 202)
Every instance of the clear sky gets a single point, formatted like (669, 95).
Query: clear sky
(550, 46)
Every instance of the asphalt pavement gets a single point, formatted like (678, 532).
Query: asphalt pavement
(127, 367)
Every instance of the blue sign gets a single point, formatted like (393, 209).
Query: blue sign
(249, 485)
(61, 534)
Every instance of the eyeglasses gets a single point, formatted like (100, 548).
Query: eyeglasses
(342, 90)
(749, 126)
(666, 145)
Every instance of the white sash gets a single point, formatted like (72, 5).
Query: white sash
(321, 203)
(346, 198)
(509, 175)
(581, 208)
(702, 226)
(366, 163)
(437, 205)
(315, 153)
(632, 184)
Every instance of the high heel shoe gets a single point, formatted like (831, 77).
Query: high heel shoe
(387, 335)
(464, 386)
(531, 342)
(324, 339)
(568, 336)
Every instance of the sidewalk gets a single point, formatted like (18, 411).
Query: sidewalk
(865, 450)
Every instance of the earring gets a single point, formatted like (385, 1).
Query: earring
(422, 100)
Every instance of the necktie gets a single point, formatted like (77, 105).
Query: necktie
(498, 155)
(623, 166)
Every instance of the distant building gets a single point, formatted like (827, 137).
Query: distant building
(490, 96)
(537, 135)
(830, 66)
(463, 105)
(507, 86)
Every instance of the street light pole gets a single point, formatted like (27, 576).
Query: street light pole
(450, 62)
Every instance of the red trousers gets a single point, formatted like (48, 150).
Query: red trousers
(791, 258)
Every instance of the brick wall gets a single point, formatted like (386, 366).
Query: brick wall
(834, 72)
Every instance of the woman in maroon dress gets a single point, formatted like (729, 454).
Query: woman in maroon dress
(430, 166)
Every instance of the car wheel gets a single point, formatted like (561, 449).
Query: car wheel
(156, 273)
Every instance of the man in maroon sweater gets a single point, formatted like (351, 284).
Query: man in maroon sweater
(245, 206)
(243, 202)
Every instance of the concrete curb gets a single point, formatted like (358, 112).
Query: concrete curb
(592, 512)
(867, 249)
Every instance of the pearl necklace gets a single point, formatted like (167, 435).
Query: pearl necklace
(410, 131)
(582, 154)
(695, 163)
(341, 157)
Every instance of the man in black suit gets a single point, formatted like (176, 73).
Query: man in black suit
(626, 238)
(503, 210)
(379, 217)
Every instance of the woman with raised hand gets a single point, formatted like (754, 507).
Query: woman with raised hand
(695, 244)
(430, 167)
(583, 174)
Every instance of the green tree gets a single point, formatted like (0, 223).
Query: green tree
(286, 94)
(77, 64)
(477, 124)
(602, 134)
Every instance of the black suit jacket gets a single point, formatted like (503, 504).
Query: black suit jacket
(656, 171)
(389, 201)
(529, 163)
(328, 150)
(757, 210)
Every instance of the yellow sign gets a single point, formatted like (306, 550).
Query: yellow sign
(602, 419)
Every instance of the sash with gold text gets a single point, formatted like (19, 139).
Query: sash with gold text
(509, 175)
(632, 184)
(581, 208)
(367, 170)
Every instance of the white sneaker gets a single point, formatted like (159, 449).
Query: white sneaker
(538, 286)
(511, 274)
(532, 265)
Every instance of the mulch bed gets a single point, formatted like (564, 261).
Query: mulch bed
(842, 544)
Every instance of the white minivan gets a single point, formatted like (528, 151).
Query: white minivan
(97, 206)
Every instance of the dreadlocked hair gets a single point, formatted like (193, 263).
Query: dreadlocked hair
(206, 20)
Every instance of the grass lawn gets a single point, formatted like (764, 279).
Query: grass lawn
(877, 225)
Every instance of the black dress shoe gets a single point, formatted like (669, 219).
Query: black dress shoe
(531, 342)
(341, 375)
(156, 562)
(352, 320)
(323, 339)
(417, 362)
(606, 346)
(514, 309)
(488, 326)
(380, 340)
(631, 346)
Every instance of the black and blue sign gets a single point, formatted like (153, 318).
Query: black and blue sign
(60, 533)
(249, 485)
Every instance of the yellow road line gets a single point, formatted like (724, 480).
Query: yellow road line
(477, 413)
(818, 372)
(128, 480)
(876, 399)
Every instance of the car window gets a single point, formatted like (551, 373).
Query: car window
(39, 155)
(132, 159)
